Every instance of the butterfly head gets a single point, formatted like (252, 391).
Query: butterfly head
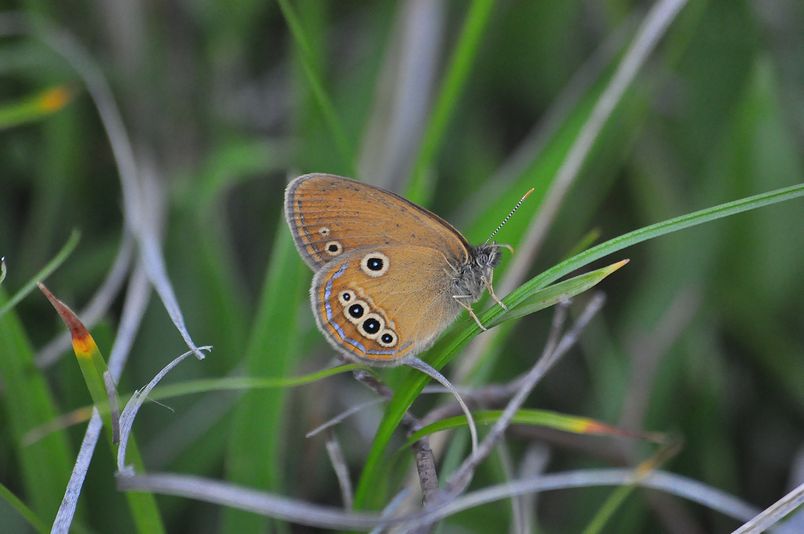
(486, 256)
(475, 275)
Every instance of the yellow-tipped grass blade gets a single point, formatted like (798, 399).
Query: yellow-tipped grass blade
(142, 506)
(35, 107)
(90, 360)
(543, 418)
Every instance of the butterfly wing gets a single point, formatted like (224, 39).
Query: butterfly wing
(385, 303)
(330, 216)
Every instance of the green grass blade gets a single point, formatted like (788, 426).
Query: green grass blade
(663, 228)
(34, 108)
(446, 349)
(246, 382)
(28, 404)
(192, 387)
(51, 266)
(448, 97)
(542, 418)
(270, 354)
(586, 241)
(22, 509)
(334, 124)
(544, 298)
(615, 500)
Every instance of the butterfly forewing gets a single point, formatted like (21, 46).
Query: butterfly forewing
(331, 216)
(370, 306)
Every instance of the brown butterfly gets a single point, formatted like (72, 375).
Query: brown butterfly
(390, 275)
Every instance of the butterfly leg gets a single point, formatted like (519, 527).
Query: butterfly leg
(468, 308)
(490, 289)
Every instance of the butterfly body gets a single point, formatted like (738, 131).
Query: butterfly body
(390, 275)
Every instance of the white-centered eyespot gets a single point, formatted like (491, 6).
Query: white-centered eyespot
(356, 310)
(375, 264)
(387, 338)
(333, 248)
(371, 326)
(324, 231)
(347, 296)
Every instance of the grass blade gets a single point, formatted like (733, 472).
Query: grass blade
(337, 131)
(93, 367)
(28, 404)
(543, 418)
(448, 96)
(36, 107)
(46, 271)
(544, 298)
(269, 355)
(21, 508)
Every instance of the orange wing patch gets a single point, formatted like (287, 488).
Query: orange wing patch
(354, 325)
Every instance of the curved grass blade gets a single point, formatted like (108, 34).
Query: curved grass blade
(132, 407)
(446, 349)
(141, 198)
(669, 483)
(419, 365)
(775, 512)
(51, 266)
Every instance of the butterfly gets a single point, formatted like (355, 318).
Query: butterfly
(390, 276)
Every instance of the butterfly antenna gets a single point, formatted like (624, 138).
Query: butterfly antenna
(510, 214)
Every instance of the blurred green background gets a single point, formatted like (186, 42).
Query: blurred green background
(702, 332)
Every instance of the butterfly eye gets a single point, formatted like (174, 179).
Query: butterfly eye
(346, 296)
(374, 264)
(333, 248)
(372, 325)
(387, 338)
(355, 311)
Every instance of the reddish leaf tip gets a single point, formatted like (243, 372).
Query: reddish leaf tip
(83, 344)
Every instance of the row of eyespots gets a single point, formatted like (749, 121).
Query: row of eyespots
(370, 325)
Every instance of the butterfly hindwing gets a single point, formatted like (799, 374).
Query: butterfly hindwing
(330, 216)
(370, 305)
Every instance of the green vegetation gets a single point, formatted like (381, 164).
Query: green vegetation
(692, 170)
